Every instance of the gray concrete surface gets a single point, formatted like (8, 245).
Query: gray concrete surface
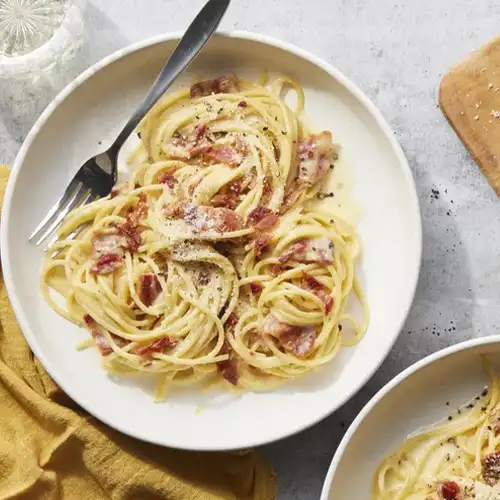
(396, 51)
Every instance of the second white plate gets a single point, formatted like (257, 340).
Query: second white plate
(425, 393)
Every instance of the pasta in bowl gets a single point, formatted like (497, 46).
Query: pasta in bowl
(214, 262)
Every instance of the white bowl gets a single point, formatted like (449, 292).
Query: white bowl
(92, 109)
(423, 394)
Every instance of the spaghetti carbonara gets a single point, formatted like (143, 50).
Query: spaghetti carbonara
(212, 262)
(456, 459)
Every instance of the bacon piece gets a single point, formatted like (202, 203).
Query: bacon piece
(294, 338)
(261, 243)
(132, 237)
(267, 222)
(106, 263)
(321, 291)
(139, 211)
(242, 104)
(167, 179)
(491, 469)
(117, 190)
(219, 153)
(315, 156)
(228, 369)
(148, 288)
(199, 132)
(224, 201)
(328, 305)
(311, 284)
(203, 218)
(275, 270)
(257, 214)
(107, 251)
(449, 490)
(232, 321)
(100, 340)
(225, 84)
(228, 196)
(174, 210)
(157, 346)
(316, 250)
(256, 288)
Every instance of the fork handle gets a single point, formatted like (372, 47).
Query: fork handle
(196, 36)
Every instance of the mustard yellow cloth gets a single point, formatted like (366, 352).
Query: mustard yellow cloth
(51, 449)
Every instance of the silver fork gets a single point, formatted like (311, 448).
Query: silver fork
(98, 175)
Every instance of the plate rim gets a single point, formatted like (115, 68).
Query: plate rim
(337, 75)
(387, 388)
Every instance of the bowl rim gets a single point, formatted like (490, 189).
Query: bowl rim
(352, 88)
(430, 359)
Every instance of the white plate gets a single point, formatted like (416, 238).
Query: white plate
(92, 109)
(416, 398)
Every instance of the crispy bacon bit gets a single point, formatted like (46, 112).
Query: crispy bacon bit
(228, 369)
(148, 288)
(267, 222)
(106, 263)
(131, 235)
(328, 305)
(315, 156)
(242, 104)
(107, 251)
(232, 321)
(199, 131)
(116, 190)
(224, 201)
(139, 211)
(219, 153)
(174, 210)
(267, 185)
(275, 270)
(226, 84)
(157, 346)
(256, 288)
(491, 469)
(316, 250)
(449, 490)
(262, 218)
(261, 243)
(167, 179)
(202, 218)
(257, 214)
(228, 196)
(312, 283)
(294, 338)
(100, 341)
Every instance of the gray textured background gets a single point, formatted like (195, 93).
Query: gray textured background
(396, 51)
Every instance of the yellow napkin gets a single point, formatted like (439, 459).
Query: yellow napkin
(50, 448)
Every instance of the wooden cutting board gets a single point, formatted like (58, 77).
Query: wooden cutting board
(470, 99)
